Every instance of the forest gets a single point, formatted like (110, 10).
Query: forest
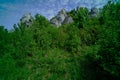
(87, 49)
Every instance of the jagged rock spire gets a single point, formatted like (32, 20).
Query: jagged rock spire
(93, 12)
(61, 18)
(26, 19)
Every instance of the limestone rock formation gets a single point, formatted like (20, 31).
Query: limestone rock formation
(26, 19)
(61, 18)
(68, 20)
(93, 12)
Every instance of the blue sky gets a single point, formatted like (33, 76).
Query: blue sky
(12, 10)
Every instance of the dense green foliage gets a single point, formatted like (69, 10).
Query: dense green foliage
(87, 49)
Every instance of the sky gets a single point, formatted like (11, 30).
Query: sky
(12, 10)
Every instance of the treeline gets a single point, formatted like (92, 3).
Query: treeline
(87, 49)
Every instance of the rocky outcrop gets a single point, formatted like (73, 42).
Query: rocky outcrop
(61, 18)
(26, 19)
(93, 12)
(68, 20)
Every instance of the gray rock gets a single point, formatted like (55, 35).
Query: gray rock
(68, 20)
(55, 22)
(26, 19)
(93, 12)
(61, 18)
(61, 15)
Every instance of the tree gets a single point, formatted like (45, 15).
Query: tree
(81, 17)
(109, 52)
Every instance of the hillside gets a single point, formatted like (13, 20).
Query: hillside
(83, 46)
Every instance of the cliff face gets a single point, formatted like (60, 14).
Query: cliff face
(94, 12)
(61, 18)
(26, 19)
